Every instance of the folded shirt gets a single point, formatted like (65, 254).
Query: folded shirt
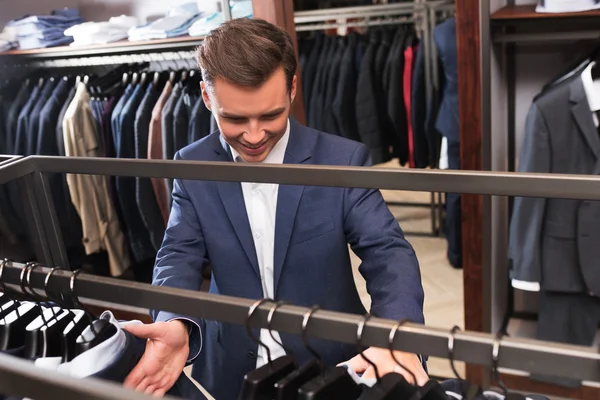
(109, 31)
(176, 23)
(31, 42)
(239, 9)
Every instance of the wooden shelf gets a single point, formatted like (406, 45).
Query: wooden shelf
(523, 12)
(120, 47)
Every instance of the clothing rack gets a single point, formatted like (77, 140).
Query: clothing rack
(424, 16)
(475, 348)
(33, 172)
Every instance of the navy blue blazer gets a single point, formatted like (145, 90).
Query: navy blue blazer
(445, 41)
(314, 225)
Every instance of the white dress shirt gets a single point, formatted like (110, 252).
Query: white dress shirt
(261, 206)
(592, 93)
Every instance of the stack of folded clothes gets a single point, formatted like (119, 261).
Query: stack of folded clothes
(8, 39)
(239, 9)
(39, 31)
(109, 31)
(177, 22)
(562, 6)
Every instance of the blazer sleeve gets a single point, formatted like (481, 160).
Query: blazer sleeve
(389, 263)
(527, 221)
(180, 260)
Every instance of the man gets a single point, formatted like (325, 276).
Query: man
(264, 240)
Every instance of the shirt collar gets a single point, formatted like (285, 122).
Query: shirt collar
(277, 153)
(592, 89)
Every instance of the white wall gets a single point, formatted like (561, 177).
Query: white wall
(97, 10)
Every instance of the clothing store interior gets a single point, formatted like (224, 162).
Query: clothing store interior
(482, 259)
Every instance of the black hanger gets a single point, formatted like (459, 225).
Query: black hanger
(469, 391)
(76, 326)
(4, 297)
(287, 388)
(46, 340)
(100, 329)
(392, 385)
(334, 383)
(12, 329)
(495, 356)
(260, 383)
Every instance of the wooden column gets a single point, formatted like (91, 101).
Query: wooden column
(281, 13)
(469, 99)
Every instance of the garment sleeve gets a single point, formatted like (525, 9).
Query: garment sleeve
(180, 260)
(526, 225)
(389, 263)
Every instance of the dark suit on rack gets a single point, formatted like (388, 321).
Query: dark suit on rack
(371, 127)
(145, 197)
(343, 106)
(208, 223)
(309, 73)
(447, 124)
(126, 189)
(34, 116)
(555, 241)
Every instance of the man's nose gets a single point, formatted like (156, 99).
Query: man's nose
(255, 134)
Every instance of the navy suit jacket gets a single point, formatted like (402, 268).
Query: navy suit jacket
(314, 225)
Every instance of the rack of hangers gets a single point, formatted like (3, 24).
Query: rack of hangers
(39, 284)
(423, 16)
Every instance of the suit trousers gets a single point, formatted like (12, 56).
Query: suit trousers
(567, 318)
(453, 225)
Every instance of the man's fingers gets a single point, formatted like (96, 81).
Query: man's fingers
(407, 375)
(136, 376)
(143, 385)
(150, 389)
(159, 393)
(144, 331)
(369, 373)
(358, 364)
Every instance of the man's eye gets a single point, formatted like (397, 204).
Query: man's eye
(271, 117)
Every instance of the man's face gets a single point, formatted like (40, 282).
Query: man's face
(252, 120)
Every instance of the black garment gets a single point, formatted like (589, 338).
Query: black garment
(453, 224)
(330, 124)
(422, 121)
(34, 116)
(317, 99)
(567, 318)
(145, 197)
(23, 121)
(60, 139)
(309, 72)
(181, 120)
(137, 233)
(167, 123)
(12, 115)
(199, 121)
(370, 124)
(396, 109)
(69, 220)
(343, 106)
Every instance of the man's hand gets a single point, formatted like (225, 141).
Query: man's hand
(386, 364)
(167, 350)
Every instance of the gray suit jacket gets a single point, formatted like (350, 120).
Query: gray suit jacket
(553, 241)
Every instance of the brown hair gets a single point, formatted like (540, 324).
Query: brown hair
(246, 52)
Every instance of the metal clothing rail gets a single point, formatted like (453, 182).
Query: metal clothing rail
(20, 379)
(475, 348)
(45, 229)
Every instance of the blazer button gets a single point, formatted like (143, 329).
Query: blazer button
(252, 355)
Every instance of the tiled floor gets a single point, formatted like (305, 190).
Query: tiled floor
(443, 285)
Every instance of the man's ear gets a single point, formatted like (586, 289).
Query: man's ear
(293, 88)
(205, 95)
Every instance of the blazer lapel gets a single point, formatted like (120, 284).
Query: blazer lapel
(583, 117)
(232, 198)
(298, 151)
